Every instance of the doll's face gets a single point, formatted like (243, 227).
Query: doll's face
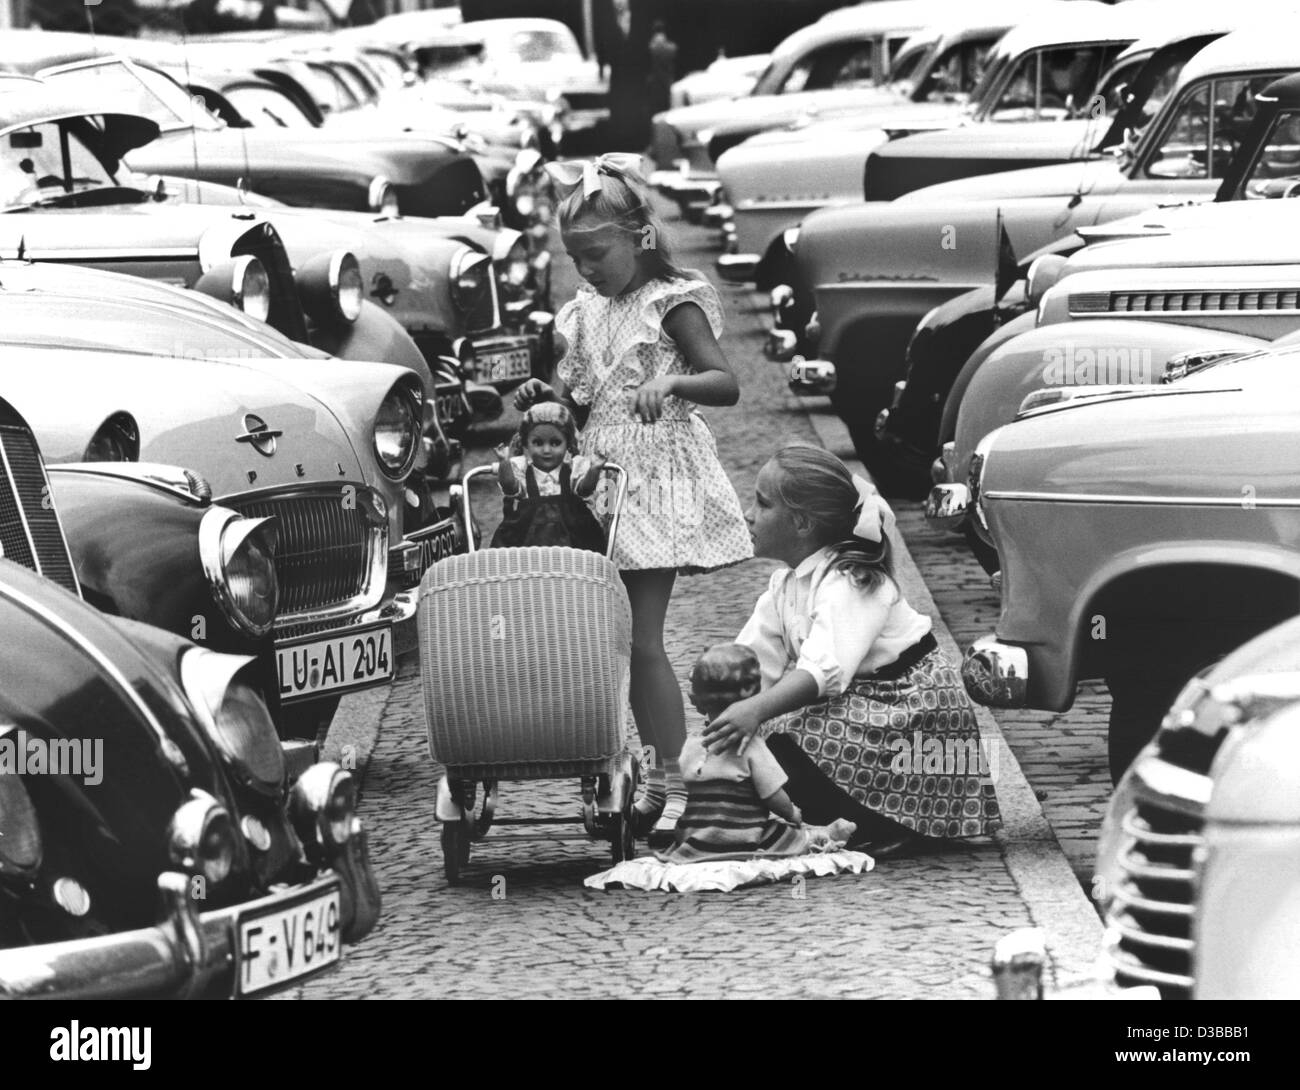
(607, 258)
(546, 446)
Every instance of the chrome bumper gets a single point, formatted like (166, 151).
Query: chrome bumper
(996, 674)
(781, 344)
(812, 377)
(737, 268)
(718, 214)
(948, 506)
(187, 954)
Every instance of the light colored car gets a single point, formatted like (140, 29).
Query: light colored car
(1198, 865)
(877, 268)
(1143, 533)
(774, 180)
(307, 441)
(821, 67)
(726, 77)
(538, 59)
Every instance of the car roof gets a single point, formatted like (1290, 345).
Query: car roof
(1253, 49)
(1197, 21)
(26, 101)
(867, 19)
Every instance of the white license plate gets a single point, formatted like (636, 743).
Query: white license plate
(284, 944)
(347, 661)
(505, 366)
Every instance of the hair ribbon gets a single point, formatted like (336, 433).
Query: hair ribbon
(570, 174)
(875, 516)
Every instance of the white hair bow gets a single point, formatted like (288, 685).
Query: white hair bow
(569, 174)
(875, 516)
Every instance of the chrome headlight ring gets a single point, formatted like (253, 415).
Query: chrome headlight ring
(382, 198)
(238, 559)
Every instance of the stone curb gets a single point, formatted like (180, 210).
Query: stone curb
(1048, 886)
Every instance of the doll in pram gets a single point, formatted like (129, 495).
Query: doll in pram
(524, 655)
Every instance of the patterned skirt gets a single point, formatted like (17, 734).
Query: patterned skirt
(906, 747)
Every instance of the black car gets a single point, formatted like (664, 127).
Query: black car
(150, 843)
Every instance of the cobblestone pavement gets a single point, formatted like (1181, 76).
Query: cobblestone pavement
(521, 924)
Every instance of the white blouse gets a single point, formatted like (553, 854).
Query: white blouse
(844, 632)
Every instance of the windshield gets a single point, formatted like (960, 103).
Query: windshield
(332, 93)
(911, 64)
(530, 46)
(263, 107)
(32, 161)
(1202, 137)
(1051, 84)
(1276, 170)
(137, 90)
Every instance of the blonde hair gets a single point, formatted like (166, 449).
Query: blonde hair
(621, 202)
(816, 484)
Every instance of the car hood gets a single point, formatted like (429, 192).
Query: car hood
(1257, 222)
(1094, 177)
(772, 109)
(415, 254)
(189, 412)
(992, 140)
(866, 123)
(152, 228)
(1185, 440)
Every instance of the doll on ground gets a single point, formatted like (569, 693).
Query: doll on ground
(736, 804)
(545, 488)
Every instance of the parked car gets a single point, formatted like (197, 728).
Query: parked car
(434, 283)
(724, 78)
(819, 68)
(877, 268)
(306, 441)
(538, 59)
(1143, 533)
(1196, 863)
(308, 168)
(161, 774)
(773, 180)
(1125, 98)
(1170, 288)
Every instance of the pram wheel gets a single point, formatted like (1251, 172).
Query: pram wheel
(456, 836)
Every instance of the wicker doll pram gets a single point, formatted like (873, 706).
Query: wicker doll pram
(524, 656)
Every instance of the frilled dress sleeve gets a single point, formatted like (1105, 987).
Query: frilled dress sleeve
(668, 294)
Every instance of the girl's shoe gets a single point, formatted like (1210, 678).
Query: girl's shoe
(895, 847)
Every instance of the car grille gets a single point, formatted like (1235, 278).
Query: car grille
(332, 555)
(1150, 913)
(1182, 302)
(29, 525)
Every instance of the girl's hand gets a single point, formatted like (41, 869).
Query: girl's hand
(735, 724)
(599, 458)
(502, 451)
(532, 391)
(648, 403)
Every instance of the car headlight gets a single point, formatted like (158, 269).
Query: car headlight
(975, 475)
(201, 838)
(382, 197)
(250, 287)
(238, 558)
(469, 277)
(20, 832)
(116, 440)
(790, 236)
(235, 717)
(397, 431)
(513, 272)
(331, 288)
(323, 808)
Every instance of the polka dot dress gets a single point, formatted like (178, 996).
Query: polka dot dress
(681, 511)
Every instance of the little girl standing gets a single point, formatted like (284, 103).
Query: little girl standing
(853, 679)
(640, 343)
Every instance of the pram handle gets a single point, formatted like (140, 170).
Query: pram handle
(610, 468)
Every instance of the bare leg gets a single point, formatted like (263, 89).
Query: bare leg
(656, 702)
(655, 694)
